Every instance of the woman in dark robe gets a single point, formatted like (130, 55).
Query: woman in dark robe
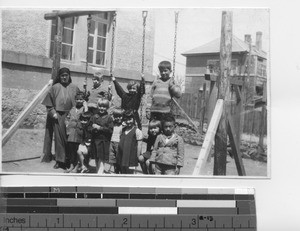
(59, 101)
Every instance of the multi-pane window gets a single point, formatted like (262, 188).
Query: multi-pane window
(98, 39)
(67, 38)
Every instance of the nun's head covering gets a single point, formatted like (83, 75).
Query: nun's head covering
(61, 71)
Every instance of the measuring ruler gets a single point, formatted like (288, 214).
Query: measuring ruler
(126, 209)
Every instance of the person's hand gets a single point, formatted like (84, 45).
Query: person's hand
(113, 78)
(55, 116)
(96, 126)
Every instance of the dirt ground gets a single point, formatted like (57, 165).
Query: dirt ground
(23, 154)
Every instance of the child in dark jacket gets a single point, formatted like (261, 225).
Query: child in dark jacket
(84, 149)
(130, 146)
(132, 99)
(101, 128)
(168, 152)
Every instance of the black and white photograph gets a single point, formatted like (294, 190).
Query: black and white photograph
(149, 91)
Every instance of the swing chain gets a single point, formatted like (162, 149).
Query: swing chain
(112, 43)
(175, 42)
(144, 14)
(86, 93)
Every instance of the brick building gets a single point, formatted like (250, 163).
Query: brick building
(205, 58)
(27, 41)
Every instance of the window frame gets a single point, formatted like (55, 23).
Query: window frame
(218, 61)
(99, 20)
(53, 34)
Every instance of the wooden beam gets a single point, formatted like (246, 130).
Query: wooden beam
(37, 99)
(57, 48)
(235, 147)
(67, 14)
(209, 138)
(186, 115)
(223, 93)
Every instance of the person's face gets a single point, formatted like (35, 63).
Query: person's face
(129, 122)
(96, 83)
(84, 122)
(118, 119)
(154, 131)
(148, 114)
(64, 78)
(168, 128)
(79, 102)
(133, 89)
(102, 109)
(165, 74)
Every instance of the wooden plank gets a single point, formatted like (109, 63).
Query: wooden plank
(67, 14)
(37, 99)
(233, 138)
(223, 93)
(262, 127)
(209, 138)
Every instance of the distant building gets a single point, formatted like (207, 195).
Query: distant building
(206, 59)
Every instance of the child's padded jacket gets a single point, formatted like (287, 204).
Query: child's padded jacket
(169, 153)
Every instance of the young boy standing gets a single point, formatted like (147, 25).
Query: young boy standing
(168, 153)
(162, 91)
(74, 133)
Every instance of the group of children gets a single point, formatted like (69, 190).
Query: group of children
(114, 139)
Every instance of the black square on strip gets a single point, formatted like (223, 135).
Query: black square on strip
(115, 196)
(195, 197)
(89, 195)
(168, 196)
(142, 196)
(62, 195)
(37, 195)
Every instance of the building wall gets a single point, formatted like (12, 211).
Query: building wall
(26, 65)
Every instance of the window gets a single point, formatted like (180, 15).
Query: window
(214, 65)
(67, 38)
(97, 42)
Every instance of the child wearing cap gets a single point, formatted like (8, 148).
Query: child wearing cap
(131, 100)
(97, 92)
(101, 128)
(162, 91)
(130, 145)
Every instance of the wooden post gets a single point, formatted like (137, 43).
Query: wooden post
(223, 93)
(263, 115)
(57, 48)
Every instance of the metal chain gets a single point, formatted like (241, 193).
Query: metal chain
(175, 42)
(112, 43)
(145, 13)
(89, 22)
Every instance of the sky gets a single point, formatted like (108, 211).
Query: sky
(198, 26)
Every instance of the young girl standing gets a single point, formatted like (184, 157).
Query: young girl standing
(130, 146)
(101, 128)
